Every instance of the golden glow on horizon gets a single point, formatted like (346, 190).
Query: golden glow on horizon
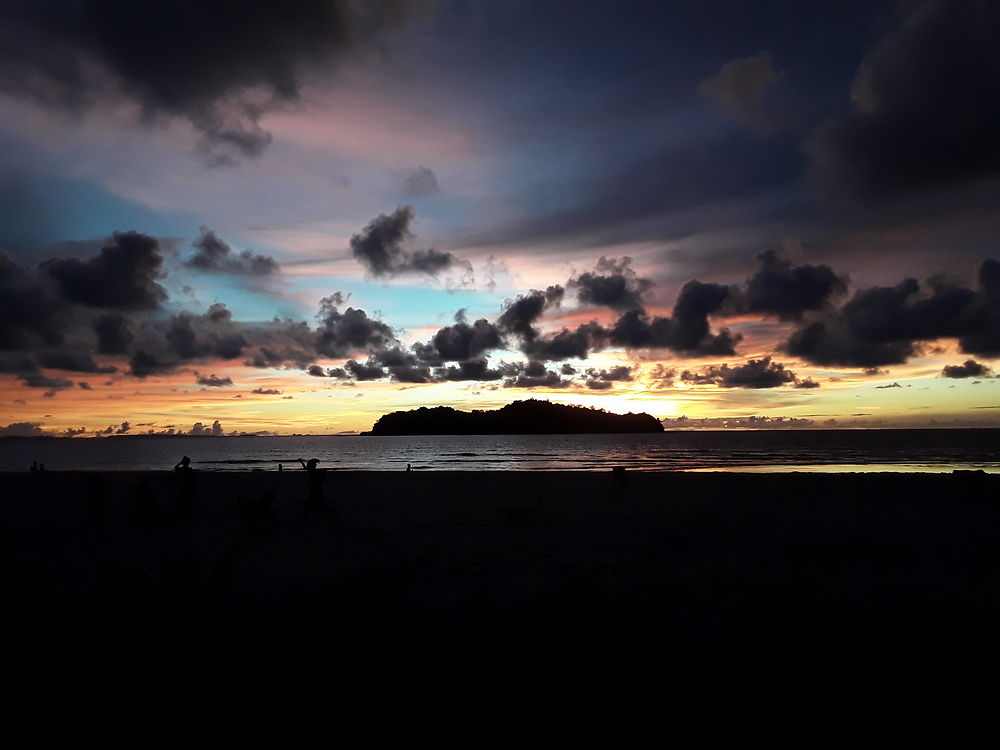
(910, 395)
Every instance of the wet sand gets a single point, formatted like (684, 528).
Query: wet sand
(744, 591)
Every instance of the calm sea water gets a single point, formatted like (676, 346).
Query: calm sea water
(813, 450)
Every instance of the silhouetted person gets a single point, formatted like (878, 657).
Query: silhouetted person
(279, 468)
(408, 468)
(316, 477)
(185, 487)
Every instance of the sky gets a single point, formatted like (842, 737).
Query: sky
(259, 217)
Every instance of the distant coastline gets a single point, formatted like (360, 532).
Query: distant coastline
(530, 417)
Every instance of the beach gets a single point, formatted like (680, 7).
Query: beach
(744, 589)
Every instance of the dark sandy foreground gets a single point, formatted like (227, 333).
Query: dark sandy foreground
(757, 595)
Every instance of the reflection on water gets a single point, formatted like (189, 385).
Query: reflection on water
(812, 450)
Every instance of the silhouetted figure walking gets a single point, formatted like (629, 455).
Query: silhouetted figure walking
(409, 468)
(185, 487)
(316, 477)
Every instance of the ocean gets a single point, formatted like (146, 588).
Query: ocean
(776, 450)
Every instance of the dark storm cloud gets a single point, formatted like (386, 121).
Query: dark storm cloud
(566, 344)
(196, 61)
(379, 248)
(756, 373)
(673, 193)
(114, 333)
(781, 289)
(402, 366)
(461, 342)
(122, 277)
(215, 256)
(22, 429)
(73, 361)
(31, 313)
(211, 381)
(742, 90)
(686, 331)
(602, 380)
(199, 428)
(613, 283)
(202, 336)
(534, 375)
(421, 181)
(476, 369)
(39, 380)
(163, 346)
(364, 370)
(341, 333)
(519, 315)
(883, 325)
(926, 112)
(968, 369)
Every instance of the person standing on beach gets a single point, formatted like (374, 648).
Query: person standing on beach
(316, 477)
(185, 487)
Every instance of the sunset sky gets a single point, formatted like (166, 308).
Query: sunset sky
(296, 217)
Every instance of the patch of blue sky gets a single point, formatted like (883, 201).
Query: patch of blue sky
(63, 209)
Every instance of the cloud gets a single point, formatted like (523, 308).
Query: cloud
(266, 391)
(476, 369)
(198, 428)
(31, 312)
(534, 375)
(73, 361)
(599, 380)
(893, 384)
(364, 371)
(211, 381)
(420, 181)
(341, 333)
(968, 369)
(566, 343)
(756, 373)
(752, 422)
(240, 60)
(787, 291)
(519, 314)
(22, 429)
(461, 342)
(123, 428)
(379, 248)
(35, 379)
(613, 283)
(162, 346)
(924, 116)
(123, 276)
(686, 332)
(742, 90)
(114, 333)
(882, 325)
(215, 256)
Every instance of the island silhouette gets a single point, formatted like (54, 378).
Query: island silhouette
(531, 417)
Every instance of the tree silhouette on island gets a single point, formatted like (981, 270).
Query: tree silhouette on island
(532, 417)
